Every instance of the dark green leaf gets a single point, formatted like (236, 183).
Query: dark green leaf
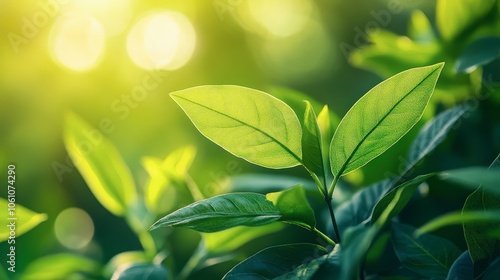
(307, 270)
(393, 106)
(360, 206)
(493, 270)
(143, 271)
(356, 243)
(428, 255)
(61, 266)
(265, 183)
(100, 164)
(248, 123)
(274, 262)
(473, 177)
(312, 157)
(478, 53)
(293, 206)
(400, 196)
(462, 268)
(223, 212)
(432, 134)
(455, 16)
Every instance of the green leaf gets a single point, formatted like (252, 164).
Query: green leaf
(432, 134)
(223, 212)
(121, 259)
(164, 175)
(356, 243)
(231, 239)
(359, 207)
(274, 262)
(462, 268)
(456, 16)
(326, 131)
(381, 117)
(473, 177)
(420, 29)
(492, 271)
(25, 219)
(248, 123)
(307, 270)
(265, 183)
(143, 271)
(312, 156)
(61, 266)
(400, 195)
(480, 217)
(428, 255)
(100, 164)
(293, 206)
(478, 53)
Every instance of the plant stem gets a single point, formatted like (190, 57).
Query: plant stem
(324, 236)
(147, 243)
(332, 216)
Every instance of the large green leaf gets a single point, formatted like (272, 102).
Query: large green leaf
(455, 16)
(478, 53)
(223, 212)
(100, 164)
(61, 266)
(381, 117)
(481, 246)
(274, 262)
(246, 122)
(432, 134)
(400, 196)
(23, 218)
(143, 271)
(293, 206)
(428, 255)
(233, 238)
(312, 156)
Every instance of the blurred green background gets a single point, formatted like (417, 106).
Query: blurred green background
(114, 63)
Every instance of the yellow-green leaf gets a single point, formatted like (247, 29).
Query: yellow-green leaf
(23, 218)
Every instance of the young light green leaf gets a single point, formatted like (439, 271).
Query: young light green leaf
(223, 212)
(454, 17)
(420, 29)
(478, 53)
(233, 238)
(461, 268)
(432, 134)
(159, 194)
(293, 206)
(274, 262)
(403, 193)
(61, 266)
(140, 270)
(25, 220)
(100, 164)
(465, 218)
(428, 255)
(312, 157)
(381, 117)
(246, 122)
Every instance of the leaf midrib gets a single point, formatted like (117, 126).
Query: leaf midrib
(427, 253)
(379, 122)
(247, 124)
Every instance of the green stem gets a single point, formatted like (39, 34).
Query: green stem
(148, 244)
(197, 257)
(328, 201)
(193, 188)
(324, 236)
